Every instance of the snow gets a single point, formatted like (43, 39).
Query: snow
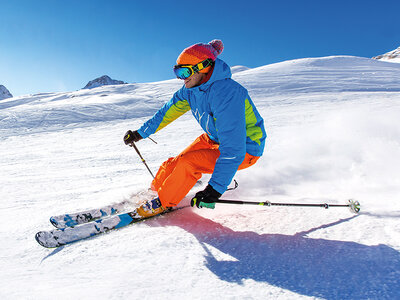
(333, 134)
(392, 56)
(394, 60)
(237, 69)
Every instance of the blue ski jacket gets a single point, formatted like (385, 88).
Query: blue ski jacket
(224, 110)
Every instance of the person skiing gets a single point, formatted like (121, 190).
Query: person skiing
(234, 137)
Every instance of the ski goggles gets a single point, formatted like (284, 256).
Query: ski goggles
(185, 71)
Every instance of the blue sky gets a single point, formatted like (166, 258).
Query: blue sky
(54, 45)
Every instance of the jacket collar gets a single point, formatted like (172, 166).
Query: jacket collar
(221, 71)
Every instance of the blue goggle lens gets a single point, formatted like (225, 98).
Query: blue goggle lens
(182, 72)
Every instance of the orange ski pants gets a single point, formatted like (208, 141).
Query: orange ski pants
(179, 174)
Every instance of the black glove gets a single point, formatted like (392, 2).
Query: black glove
(205, 198)
(132, 136)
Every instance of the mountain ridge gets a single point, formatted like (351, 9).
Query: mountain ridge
(4, 93)
(391, 56)
(101, 81)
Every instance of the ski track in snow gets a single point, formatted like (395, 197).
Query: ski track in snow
(333, 134)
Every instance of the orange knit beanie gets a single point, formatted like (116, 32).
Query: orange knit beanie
(199, 52)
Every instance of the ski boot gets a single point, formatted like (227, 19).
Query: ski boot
(150, 208)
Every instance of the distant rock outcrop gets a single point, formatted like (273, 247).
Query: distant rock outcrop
(392, 56)
(4, 93)
(103, 80)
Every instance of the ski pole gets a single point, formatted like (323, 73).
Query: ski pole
(353, 205)
(141, 157)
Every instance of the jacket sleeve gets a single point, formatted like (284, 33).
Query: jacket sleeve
(229, 115)
(171, 110)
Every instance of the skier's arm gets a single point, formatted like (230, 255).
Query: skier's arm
(230, 121)
(171, 110)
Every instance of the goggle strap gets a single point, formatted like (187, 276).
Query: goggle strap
(204, 64)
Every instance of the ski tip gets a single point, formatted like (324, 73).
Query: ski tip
(54, 222)
(45, 239)
(37, 238)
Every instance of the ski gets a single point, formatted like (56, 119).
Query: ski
(74, 219)
(60, 237)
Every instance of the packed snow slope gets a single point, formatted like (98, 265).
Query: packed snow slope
(333, 134)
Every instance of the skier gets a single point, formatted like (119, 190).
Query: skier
(234, 137)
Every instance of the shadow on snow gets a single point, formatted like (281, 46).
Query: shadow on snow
(314, 267)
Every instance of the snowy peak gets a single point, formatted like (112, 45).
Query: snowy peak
(392, 56)
(237, 69)
(4, 93)
(335, 74)
(103, 80)
(307, 76)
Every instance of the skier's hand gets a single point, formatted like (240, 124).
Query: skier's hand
(205, 198)
(132, 136)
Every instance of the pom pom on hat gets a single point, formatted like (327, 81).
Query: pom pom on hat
(217, 45)
(199, 52)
